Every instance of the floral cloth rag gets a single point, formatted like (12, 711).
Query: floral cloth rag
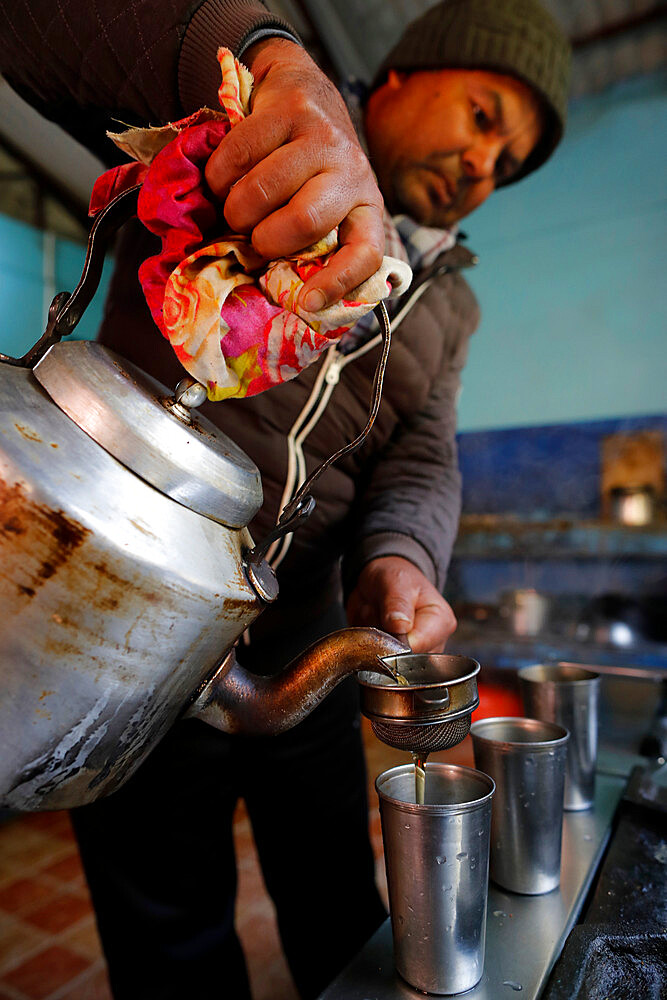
(231, 316)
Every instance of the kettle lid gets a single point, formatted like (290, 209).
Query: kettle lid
(152, 431)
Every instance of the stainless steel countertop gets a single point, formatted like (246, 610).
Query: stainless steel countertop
(524, 934)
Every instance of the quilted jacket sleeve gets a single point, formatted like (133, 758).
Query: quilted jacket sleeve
(85, 64)
(412, 504)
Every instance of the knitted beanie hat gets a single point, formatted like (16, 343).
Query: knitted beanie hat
(517, 37)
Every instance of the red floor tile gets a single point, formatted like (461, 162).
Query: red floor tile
(76, 958)
(90, 987)
(46, 972)
(83, 939)
(68, 869)
(55, 823)
(24, 894)
(60, 913)
(17, 942)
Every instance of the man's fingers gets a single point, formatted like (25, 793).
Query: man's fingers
(315, 206)
(398, 607)
(361, 240)
(361, 614)
(269, 186)
(293, 170)
(246, 145)
(434, 624)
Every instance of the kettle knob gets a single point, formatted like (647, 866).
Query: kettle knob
(188, 393)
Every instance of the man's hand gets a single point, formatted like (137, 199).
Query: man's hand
(294, 169)
(392, 594)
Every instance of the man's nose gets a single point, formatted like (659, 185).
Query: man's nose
(480, 158)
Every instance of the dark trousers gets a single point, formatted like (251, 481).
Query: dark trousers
(160, 863)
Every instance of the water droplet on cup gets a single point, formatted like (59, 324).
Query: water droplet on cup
(462, 855)
(440, 861)
(512, 985)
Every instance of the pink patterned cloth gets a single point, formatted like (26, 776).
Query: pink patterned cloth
(231, 316)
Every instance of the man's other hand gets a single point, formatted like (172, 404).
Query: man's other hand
(293, 170)
(392, 594)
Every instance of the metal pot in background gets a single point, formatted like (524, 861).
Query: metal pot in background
(611, 619)
(525, 610)
(633, 506)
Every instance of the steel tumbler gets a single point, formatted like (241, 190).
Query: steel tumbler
(437, 861)
(526, 759)
(569, 696)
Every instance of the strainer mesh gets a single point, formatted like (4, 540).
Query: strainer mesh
(429, 738)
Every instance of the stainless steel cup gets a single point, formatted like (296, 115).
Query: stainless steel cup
(526, 759)
(569, 696)
(437, 860)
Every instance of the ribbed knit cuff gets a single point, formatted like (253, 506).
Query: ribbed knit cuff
(388, 543)
(220, 22)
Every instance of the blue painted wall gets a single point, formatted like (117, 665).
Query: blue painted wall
(538, 473)
(571, 277)
(23, 309)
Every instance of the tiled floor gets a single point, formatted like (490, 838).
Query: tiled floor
(49, 948)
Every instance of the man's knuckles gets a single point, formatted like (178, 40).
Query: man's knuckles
(233, 158)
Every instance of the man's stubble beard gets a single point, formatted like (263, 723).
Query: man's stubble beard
(413, 200)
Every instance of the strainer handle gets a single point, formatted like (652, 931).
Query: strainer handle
(442, 702)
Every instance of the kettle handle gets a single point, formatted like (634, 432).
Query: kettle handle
(66, 310)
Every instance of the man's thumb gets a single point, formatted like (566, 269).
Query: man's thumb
(398, 618)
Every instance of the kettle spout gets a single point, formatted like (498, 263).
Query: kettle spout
(236, 701)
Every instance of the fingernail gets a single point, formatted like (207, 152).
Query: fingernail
(397, 616)
(314, 301)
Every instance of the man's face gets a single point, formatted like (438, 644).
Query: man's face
(440, 141)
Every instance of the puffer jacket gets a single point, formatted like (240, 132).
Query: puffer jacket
(399, 494)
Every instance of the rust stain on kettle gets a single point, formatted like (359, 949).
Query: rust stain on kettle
(48, 537)
(89, 589)
(28, 433)
(238, 608)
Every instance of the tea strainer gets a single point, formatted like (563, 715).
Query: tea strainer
(429, 713)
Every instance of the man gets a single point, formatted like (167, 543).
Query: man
(472, 97)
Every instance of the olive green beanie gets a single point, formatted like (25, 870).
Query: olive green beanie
(517, 37)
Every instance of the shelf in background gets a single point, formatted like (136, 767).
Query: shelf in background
(495, 648)
(493, 537)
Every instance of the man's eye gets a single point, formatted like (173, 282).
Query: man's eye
(482, 120)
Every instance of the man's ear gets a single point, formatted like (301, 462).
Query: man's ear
(395, 79)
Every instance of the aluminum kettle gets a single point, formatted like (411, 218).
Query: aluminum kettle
(127, 572)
